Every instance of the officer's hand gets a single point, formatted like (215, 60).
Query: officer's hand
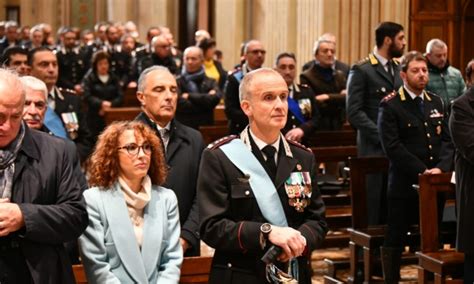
(11, 218)
(289, 239)
(322, 98)
(295, 134)
(432, 171)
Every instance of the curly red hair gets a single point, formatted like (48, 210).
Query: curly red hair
(103, 170)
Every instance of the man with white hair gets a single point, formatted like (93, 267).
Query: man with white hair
(36, 102)
(445, 80)
(41, 206)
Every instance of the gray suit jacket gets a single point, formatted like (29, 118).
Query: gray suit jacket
(109, 250)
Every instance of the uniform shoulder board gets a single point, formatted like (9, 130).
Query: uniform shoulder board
(219, 142)
(362, 61)
(64, 90)
(389, 97)
(299, 145)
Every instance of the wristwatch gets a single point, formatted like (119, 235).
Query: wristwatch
(265, 230)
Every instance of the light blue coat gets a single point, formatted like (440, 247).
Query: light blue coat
(110, 252)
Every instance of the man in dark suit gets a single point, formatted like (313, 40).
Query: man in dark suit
(65, 118)
(461, 124)
(254, 55)
(369, 81)
(328, 84)
(415, 137)
(16, 58)
(337, 65)
(41, 203)
(302, 110)
(258, 192)
(199, 94)
(11, 36)
(158, 95)
(161, 56)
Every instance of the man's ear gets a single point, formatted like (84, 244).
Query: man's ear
(403, 75)
(387, 41)
(141, 98)
(246, 107)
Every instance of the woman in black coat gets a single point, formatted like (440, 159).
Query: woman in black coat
(102, 91)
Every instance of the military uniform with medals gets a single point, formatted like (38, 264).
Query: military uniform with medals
(231, 218)
(307, 117)
(67, 105)
(413, 142)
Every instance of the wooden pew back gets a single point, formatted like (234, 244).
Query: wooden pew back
(195, 270)
(121, 113)
(429, 187)
(360, 167)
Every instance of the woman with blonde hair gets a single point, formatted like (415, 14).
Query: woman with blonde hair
(133, 232)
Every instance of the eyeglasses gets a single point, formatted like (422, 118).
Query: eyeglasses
(133, 149)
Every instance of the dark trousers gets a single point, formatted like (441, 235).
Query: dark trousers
(401, 214)
(468, 268)
(13, 268)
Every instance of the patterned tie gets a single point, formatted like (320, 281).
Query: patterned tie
(269, 151)
(165, 137)
(420, 104)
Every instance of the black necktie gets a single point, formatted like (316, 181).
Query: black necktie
(269, 151)
(390, 69)
(420, 104)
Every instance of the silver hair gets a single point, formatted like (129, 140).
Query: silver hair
(10, 79)
(188, 49)
(144, 74)
(246, 47)
(318, 43)
(244, 87)
(436, 42)
(35, 84)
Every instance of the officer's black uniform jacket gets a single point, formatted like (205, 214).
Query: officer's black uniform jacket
(412, 141)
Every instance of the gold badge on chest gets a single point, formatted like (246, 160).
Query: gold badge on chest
(298, 189)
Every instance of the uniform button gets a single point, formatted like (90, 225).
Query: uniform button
(428, 135)
(229, 265)
(292, 117)
(426, 124)
(247, 192)
(431, 147)
(294, 126)
(431, 158)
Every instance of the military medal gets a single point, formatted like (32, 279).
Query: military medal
(298, 189)
(71, 124)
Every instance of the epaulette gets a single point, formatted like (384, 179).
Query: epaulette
(362, 61)
(396, 61)
(299, 145)
(219, 142)
(72, 92)
(389, 97)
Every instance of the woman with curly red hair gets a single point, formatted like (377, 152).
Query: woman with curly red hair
(133, 232)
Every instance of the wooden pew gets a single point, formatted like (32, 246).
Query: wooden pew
(130, 98)
(432, 259)
(195, 270)
(333, 138)
(121, 113)
(214, 132)
(338, 216)
(361, 236)
(219, 115)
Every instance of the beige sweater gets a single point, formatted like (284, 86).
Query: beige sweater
(135, 204)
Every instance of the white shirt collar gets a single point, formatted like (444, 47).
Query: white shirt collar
(167, 126)
(380, 58)
(261, 144)
(412, 95)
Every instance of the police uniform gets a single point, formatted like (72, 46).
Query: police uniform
(235, 115)
(368, 83)
(67, 105)
(230, 217)
(72, 67)
(413, 142)
(304, 97)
